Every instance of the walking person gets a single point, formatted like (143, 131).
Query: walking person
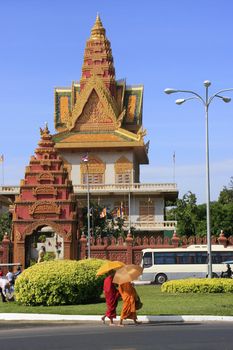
(11, 278)
(131, 301)
(111, 295)
(18, 272)
(129, 297)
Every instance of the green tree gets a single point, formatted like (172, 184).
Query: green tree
(201, 220)
(103, 226)
(226, 195)
(185, 213)
(221, 218)
(191, 218)
(5, 224)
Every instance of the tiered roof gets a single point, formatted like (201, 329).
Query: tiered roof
(99, 111)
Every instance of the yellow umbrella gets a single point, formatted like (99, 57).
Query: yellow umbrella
(127, 273)
(108, 266)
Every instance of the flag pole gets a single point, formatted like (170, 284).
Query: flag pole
(2, 161)
(174, 166)
(129, 204)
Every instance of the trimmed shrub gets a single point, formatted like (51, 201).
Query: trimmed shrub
(60, 282)
(199, 285)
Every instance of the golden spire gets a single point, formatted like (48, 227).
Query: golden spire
(98, 58)
(98, 30)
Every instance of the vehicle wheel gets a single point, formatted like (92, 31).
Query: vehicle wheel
(214, 275)
(160, 278)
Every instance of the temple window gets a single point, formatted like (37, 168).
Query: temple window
(93, 179)
(123, 170)
(146, 210)
(123, 178)
(93, 170)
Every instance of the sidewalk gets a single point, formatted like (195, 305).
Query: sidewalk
(97, 319)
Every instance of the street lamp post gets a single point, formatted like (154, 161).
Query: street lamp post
(88, 217)
(206, 101)
(131, 182)
(85, 160)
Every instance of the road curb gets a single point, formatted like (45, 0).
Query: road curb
(94, 318)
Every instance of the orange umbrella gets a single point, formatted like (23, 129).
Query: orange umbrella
(127, 273)
(108, 266)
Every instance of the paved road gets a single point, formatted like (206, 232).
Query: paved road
(185, 336)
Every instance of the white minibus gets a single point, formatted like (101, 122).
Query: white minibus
(160, 265)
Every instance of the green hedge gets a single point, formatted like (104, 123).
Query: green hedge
(199, 285)
(60, 282)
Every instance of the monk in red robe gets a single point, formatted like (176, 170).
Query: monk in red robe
(111, 295)
(129, 297)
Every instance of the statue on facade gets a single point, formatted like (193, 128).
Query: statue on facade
(41, 254)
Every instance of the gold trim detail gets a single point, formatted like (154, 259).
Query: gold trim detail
(123, 165)
(108, 103)
(94, 166)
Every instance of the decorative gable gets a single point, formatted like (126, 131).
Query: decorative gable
(94, 98)
(94, 116)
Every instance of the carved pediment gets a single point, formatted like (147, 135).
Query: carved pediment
(45, 190)
(95, 108)
(45, 176)
(44, 207)
(94, 116)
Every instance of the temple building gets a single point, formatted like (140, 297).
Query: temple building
(44, 214)
(100, 138)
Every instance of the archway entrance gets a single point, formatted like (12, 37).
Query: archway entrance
(45, 237)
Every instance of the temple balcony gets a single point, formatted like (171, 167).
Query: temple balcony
(111, 188)
(9, 190)
(125, 188)
(152, 225)
(167, 190)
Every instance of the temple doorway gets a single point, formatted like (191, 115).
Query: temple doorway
(43, 237)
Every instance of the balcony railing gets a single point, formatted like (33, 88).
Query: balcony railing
(152, 225)
(13, 190)
(134, 187)
(103, 188)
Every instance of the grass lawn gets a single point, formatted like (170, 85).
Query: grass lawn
(154, 303)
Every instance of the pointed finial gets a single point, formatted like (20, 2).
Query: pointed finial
(98, 18)
(44, 131)
(98, 30)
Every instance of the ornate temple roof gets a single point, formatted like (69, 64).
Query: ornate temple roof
(99, 111)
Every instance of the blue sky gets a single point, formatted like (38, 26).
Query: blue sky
(157, 43)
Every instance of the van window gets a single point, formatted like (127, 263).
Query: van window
(147, 259)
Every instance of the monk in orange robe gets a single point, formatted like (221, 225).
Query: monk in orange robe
(129, 297)
(111, 295)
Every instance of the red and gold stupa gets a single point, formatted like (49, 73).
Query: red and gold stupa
(46, 200)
